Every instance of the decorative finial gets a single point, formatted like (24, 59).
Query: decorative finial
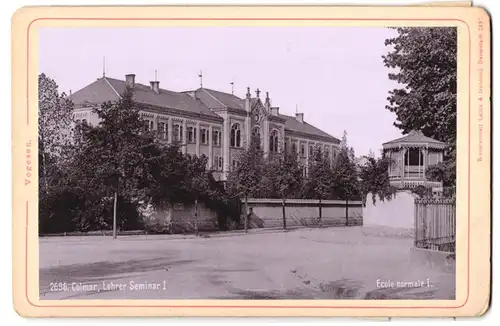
(257, 92)
(267, 95)
(248, 91)
(200, 75)
(104, 66)
(232, 88)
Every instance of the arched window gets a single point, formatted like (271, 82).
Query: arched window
(294, 147)
(256, 136)
(236, 135)
(273, 141)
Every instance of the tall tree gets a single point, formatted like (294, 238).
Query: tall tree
(120, 152)
(285, 173)
(345, 179)
(424, 63)
(244, 178)
(197, 182)
(319, 179)
(374, 178)
(54, 129)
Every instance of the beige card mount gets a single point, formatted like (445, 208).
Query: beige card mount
(192, 161)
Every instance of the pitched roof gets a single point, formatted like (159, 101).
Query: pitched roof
(108, 89)
(291, 124)
(97, 92)
(217, 99)
(414, 137)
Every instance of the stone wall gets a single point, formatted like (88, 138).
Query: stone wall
(267, 213)
(180, 218)
(397, 212)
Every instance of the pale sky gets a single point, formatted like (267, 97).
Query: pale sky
(334, 75)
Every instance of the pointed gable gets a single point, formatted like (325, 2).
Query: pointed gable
(97, 92)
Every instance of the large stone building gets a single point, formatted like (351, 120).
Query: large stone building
(210, 122)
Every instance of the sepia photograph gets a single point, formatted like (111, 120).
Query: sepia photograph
(247, 162)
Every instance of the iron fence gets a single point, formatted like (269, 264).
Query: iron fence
(435, 224)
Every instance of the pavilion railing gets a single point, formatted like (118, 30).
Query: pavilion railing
(435, 224)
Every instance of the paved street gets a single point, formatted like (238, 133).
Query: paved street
(330, 263)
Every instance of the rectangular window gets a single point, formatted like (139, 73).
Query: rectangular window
(217, 163)
(162, 130)
(177, 133)
(311, 150)
(302, 149)
(204, 138)
(191, 134)
(216, 137)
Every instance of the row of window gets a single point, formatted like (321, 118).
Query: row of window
(218, 163)
(177, 133)
(303, 149)
(235, 137)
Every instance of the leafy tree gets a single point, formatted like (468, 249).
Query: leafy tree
(285, 173)
(121, 156)
(345, 179)
(374, 178)
(54, 129)
(441, 172)
(320, 179)
(197, 181)
(424, 63)
(244, 179)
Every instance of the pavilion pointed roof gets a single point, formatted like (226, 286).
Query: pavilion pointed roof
(414, 139)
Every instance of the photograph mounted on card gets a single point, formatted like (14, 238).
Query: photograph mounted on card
(251, 161)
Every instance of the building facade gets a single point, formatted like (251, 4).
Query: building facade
(205, 121)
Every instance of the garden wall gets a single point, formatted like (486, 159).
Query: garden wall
(398, 212)
(180, 218)
(267, 213)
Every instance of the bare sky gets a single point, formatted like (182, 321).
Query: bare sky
(334, 75)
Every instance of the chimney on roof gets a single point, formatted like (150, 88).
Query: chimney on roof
(155, 86)
(275, 111)
(299, 117)
(130, 80)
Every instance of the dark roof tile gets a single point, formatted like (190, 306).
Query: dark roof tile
(292, 124)
(107, 89)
